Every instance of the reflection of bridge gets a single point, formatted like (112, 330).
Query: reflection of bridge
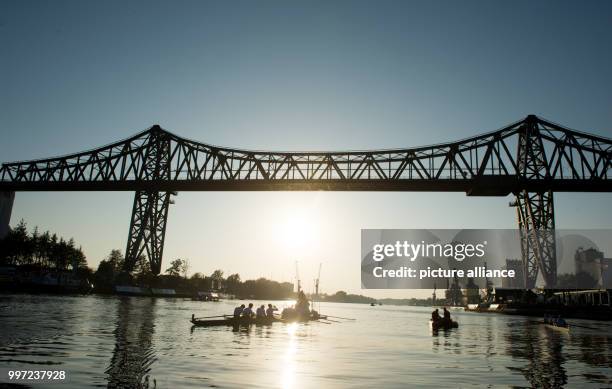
(134, 352)
(531, 159)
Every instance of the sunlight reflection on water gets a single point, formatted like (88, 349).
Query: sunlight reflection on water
(142, 342)
(288, 380)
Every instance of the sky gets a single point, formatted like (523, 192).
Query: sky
(277, 75)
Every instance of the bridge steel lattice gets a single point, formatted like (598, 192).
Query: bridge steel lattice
(532, 159)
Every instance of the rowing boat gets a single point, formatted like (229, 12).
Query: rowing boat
(232, 321)
(556, 326)
(245, 321)
(442, 325)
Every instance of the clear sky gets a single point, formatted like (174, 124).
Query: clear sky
(324, 75)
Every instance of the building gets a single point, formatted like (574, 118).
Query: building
(453, 294)
(606, 273)
(518, 282)
(596, 297)
(472, 292)
(514, 296)
(592, 263)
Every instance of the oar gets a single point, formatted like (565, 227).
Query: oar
(570, 324)
(333, 321)
(338, 317)
(210, 317)
(324, 322)
(587, 327)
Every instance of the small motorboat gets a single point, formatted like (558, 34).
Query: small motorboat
(443, 324)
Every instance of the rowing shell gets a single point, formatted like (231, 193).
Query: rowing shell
(241, 321)
(231, 321)
(556, 327)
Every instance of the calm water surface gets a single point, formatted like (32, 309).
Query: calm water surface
(109, 341)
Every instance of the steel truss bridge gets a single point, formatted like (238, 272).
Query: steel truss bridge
(531, 159)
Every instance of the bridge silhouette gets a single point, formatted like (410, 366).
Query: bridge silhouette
(532, 159)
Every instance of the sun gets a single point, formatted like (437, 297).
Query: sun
(296, 229)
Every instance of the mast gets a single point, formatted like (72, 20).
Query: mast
(317, 281)
(433, 297)
(297, 277)
(316, 295)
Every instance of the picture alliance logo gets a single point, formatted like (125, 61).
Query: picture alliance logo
(412, 251)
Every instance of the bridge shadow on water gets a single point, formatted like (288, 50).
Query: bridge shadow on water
(133, 355)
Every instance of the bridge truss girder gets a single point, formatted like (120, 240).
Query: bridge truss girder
(531, 158)
(574, 162)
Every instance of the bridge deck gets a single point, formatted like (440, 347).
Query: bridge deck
(482, 186)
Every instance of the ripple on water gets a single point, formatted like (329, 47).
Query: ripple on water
(108, 341)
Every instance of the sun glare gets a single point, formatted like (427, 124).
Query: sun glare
(296, 230)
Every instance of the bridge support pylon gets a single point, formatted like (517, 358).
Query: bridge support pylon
(536, 215)
(536, 219)
(6, 207)
(147, 229)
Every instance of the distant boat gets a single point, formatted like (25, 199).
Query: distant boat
(206, 296)
(127, 290)
(442, 324)
(163, 292)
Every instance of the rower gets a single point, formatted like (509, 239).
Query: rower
(302, 306)
(248, 312)
(261, 312)
(270, 311)
(447, 317)
(435, 315)
(560, 321)
(238, 311)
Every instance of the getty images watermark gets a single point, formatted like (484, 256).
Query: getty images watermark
(424, 259)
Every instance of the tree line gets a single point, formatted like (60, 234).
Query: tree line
(110, 273)
(48, 252)
(343, 297)
(40, 250)
(33, 250)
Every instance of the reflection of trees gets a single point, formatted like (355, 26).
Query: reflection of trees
(542, 348)
(133, 354)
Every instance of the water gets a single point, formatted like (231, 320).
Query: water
(109, 341)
